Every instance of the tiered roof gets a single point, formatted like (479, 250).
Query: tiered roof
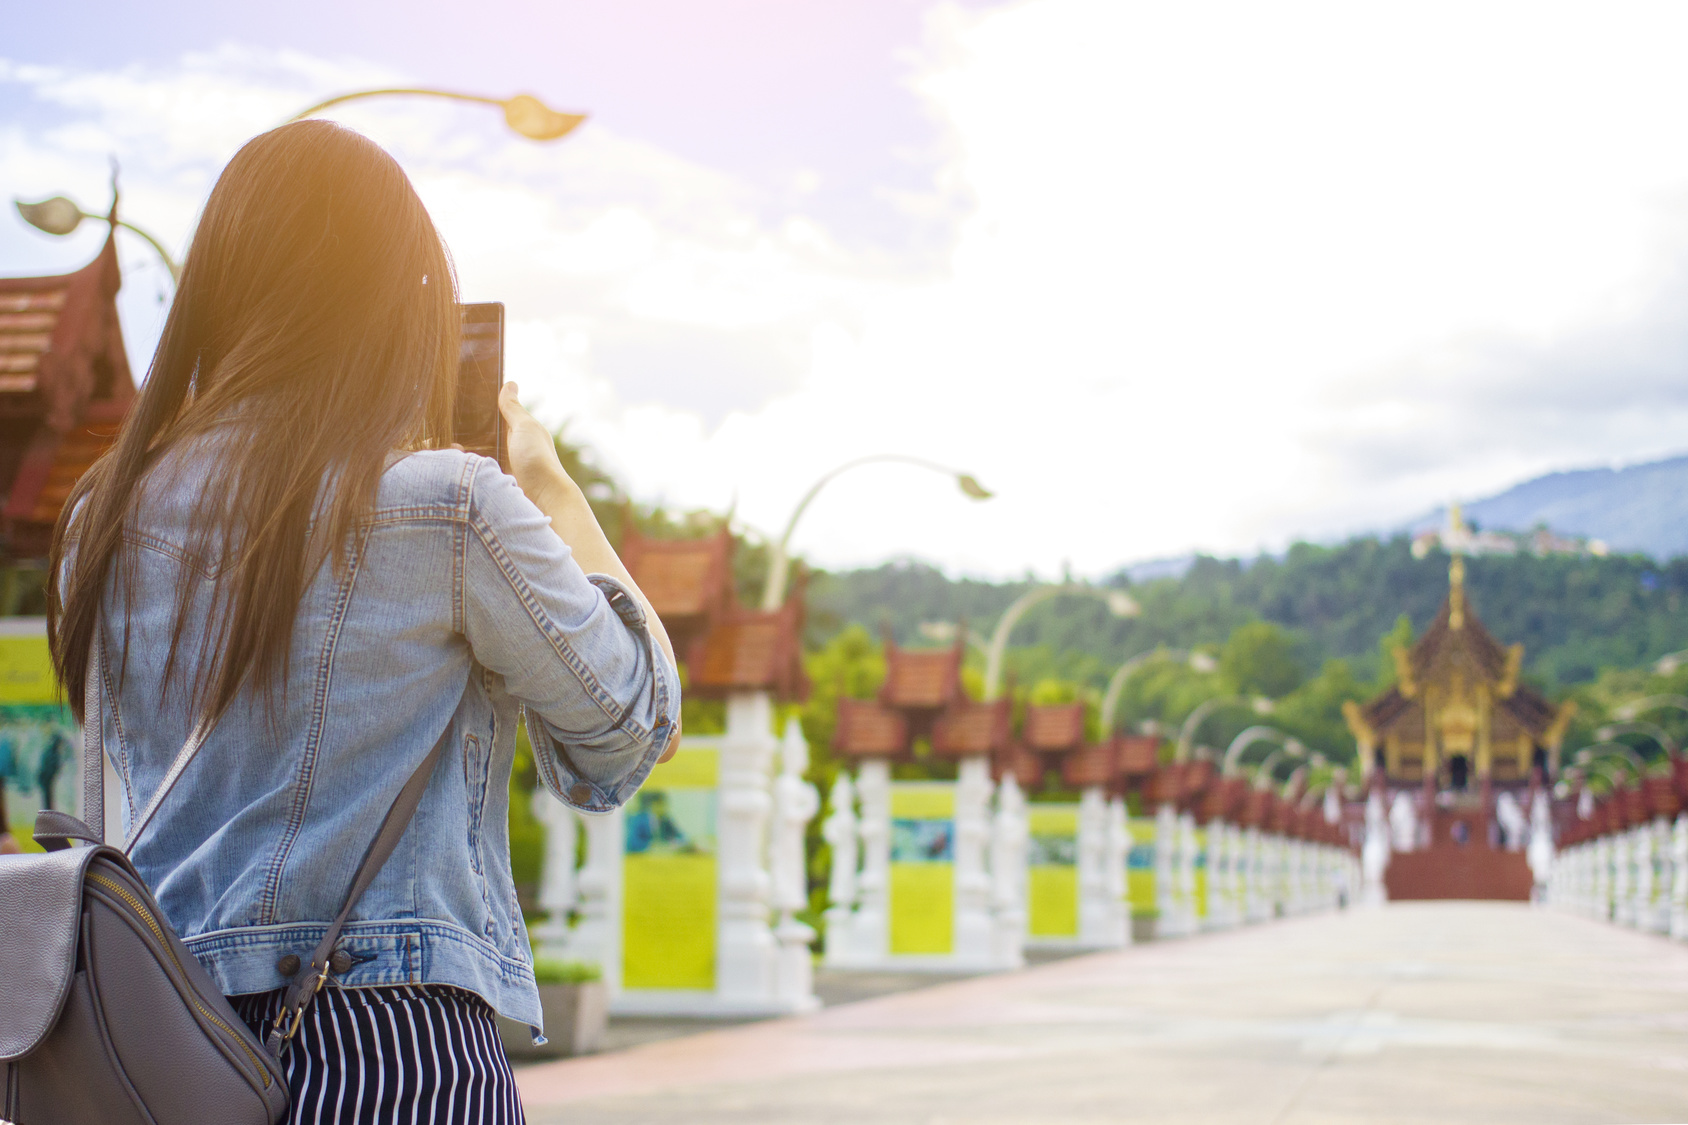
(65, 387)
(1457, 692)
(727, 647)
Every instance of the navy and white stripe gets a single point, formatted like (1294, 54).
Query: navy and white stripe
(412, 1055)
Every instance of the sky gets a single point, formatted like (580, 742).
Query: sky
(1205, 276)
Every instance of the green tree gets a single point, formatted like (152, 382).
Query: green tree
(1260, 658)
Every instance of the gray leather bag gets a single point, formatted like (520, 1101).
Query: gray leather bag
(104, 1014)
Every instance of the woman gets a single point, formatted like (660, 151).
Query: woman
(283, 542)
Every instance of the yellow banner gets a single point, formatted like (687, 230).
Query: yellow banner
(669, 874)
(1052, 870)
(1140, 869)
(922, 867)
(26, 669)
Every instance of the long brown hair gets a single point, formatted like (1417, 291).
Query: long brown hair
(314, 330)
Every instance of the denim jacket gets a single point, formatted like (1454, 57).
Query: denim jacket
(459, 608)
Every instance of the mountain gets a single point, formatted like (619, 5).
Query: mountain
(1641, 509)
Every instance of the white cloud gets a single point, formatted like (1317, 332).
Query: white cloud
(1220, 273)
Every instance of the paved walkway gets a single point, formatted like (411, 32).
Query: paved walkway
(1427, 1012)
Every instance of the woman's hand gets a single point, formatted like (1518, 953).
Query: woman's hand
(533, 453)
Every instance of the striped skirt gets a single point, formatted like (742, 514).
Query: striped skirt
(381, 1056)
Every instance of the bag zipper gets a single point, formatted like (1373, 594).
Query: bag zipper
(139, 908)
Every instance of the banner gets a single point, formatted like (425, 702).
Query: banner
(1052, 870)
(40, 746)
(922, 866)
(1200, 904)
(669, 875)
(1140, 868)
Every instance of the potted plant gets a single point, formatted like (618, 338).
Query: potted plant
(576, 1006)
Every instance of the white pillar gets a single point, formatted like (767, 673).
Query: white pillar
(1374, 852)
(840, 832)
(1604, 877)
(795, 804)
(1115, 856)
(557, 890)
(745, 953)
(1098, 914)
(1256, 907)
(1679, 878)
(974, 927)
(1188, 852)
(1169, 922)
(1237, 893)
(1540, 848)
(1009, 835)
(597, 936)
(1623, 878)
(872, 939)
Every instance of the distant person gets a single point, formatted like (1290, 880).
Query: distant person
(284, 543)
(650, 827)
(52, 761)
(8, 769)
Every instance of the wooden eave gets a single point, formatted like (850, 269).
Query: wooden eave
(966, 728)
(65, 387)
(921, 679)
(1054, 729)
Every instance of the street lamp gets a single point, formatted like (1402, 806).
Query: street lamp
(1198, 661)
(1193, 721)
(61, 216)
(773, 591)
(1596, 753)
(1119, 603)
(1654, 731)
(524, 113)
(1635, 708)
(1230, 764)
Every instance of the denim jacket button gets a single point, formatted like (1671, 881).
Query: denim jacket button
(580, 793)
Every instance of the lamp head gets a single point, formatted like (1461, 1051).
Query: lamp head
(57, 215)
(537, 121)
(971, 486)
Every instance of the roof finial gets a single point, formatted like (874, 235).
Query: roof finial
(1455, 540)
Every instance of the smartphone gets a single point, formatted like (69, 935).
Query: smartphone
(476, 424)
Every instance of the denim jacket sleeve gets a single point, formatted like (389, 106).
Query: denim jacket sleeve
(602, 700)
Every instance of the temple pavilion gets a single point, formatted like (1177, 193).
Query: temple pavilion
(64, 389)
(1456, 731)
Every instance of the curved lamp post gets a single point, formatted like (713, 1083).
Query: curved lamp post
(1119, 603)
(1635, 708)
(1263, 778)
(1194, 720)
(779, 562)
(1653, 731)
(1198, 661)
(61, 216)
(1230, 765)
(524, 113)
(1668, 664)
(1596, 753)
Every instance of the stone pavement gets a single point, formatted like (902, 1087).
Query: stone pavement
(1419, 1012)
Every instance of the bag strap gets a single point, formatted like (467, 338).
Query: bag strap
(312, 977)
(93, 753)
(93, 740)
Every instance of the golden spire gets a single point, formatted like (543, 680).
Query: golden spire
(1456, 539)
